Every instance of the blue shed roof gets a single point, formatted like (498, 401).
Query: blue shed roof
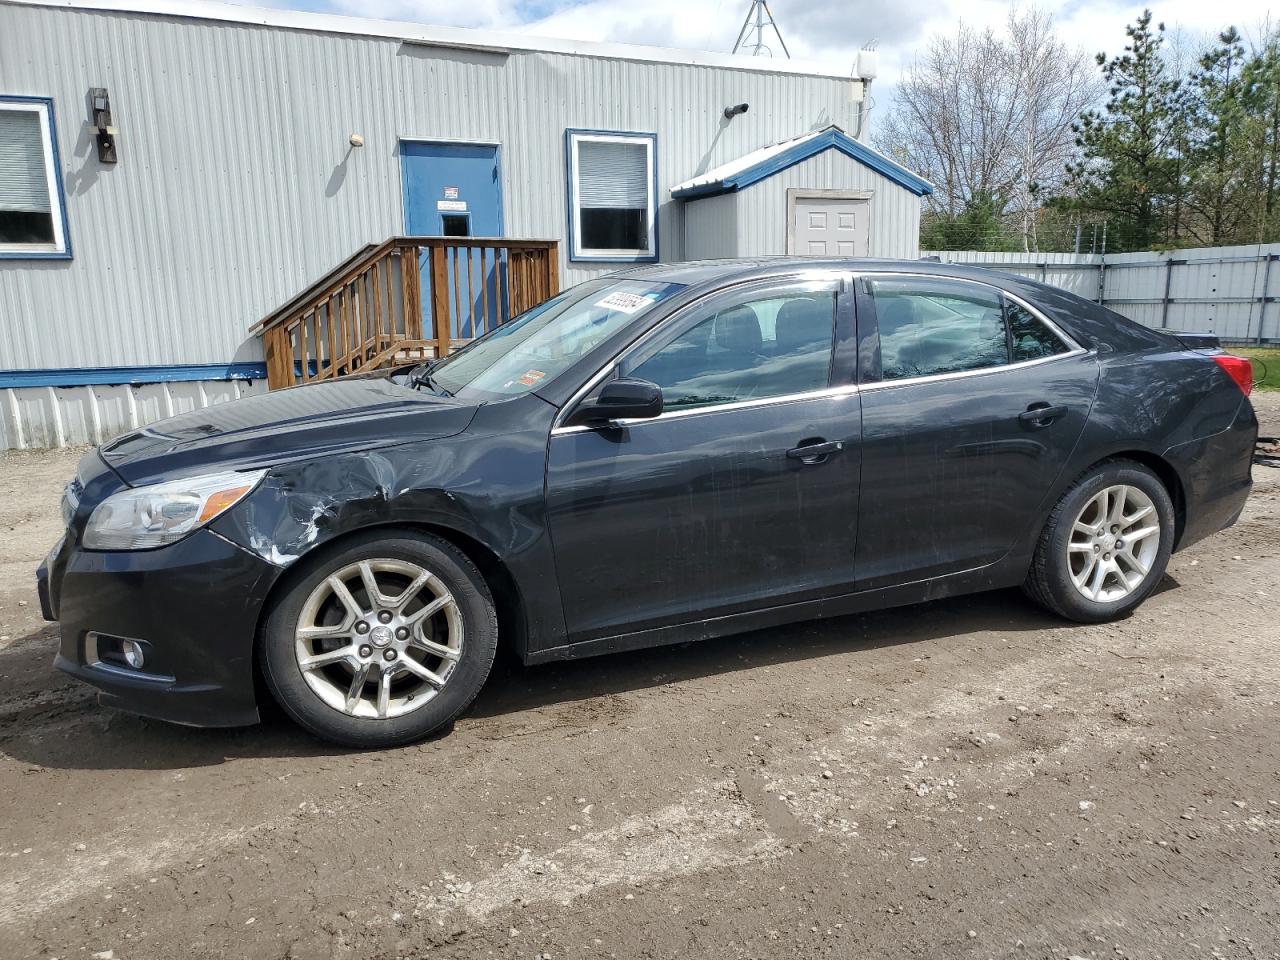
(765, 162)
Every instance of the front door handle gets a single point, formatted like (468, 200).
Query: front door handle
(815, 452)
(1042, 414)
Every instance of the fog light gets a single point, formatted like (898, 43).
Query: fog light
(133, 655)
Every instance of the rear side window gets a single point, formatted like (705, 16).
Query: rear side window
(1029, 339)
(930, 327)
(768, 345)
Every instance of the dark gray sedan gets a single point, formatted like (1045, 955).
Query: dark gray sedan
(668, 454)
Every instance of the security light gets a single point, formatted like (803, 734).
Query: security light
(100, 118)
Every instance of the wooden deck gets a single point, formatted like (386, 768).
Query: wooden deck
(403, 300)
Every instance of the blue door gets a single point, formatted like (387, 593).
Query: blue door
(455, 190)
(449, 186)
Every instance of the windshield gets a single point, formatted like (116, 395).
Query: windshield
(543, 342)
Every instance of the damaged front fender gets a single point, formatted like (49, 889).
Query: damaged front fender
(485, 486)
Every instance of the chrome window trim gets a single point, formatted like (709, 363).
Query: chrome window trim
(827, 392)
(1040, 315)
(978, 372)
(836, 277)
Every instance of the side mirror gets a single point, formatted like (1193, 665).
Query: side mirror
(621, 399)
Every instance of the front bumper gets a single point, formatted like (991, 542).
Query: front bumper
(196, 604)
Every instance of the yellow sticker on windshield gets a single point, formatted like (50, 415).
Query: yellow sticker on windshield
(531, 377)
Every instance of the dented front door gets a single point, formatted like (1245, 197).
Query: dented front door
(747, 501)
(701, 516)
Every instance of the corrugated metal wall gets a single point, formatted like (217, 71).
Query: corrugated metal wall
(40, 417)
(753, 222)
(711, 225)
(1222, 290)
(236, 186)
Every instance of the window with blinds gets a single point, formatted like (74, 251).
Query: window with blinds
(611, 187)
(30, 211)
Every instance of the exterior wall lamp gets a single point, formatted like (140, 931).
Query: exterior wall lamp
(100, 116)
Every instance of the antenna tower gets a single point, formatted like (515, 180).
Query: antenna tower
(759, 19)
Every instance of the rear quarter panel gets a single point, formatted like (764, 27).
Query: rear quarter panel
(1171, 404)
(1158, 398)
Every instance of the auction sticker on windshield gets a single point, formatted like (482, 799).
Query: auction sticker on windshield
(625, 302)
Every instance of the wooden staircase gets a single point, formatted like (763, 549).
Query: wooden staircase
(404, 300)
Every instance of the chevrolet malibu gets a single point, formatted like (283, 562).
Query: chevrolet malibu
(663, 455)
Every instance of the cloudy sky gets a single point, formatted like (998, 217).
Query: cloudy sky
(825, 30)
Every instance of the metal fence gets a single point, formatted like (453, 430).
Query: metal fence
(1230, 291)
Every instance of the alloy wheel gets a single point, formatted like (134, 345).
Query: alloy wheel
(1114, 542)
(378, 638)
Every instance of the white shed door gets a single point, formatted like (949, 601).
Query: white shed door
(830, 227)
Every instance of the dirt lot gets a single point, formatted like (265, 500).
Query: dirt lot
(968, 778)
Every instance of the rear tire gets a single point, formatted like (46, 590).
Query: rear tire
(381, 642)
(1105, 546)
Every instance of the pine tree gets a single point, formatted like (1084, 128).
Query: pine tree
(1218, 172)
(979, 226)
(1128, 167)
(1261, 109)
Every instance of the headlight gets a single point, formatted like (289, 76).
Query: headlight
(146, 517)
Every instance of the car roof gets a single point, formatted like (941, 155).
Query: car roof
(696, 272)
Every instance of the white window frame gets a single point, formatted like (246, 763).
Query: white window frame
(61, 246)
(588, 254)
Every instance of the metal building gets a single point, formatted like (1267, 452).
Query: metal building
(172, 171)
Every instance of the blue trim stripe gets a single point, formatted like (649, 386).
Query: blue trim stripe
(103, 376)
(831, 138)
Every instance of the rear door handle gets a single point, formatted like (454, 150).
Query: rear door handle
(815, 452)
(1042, 414)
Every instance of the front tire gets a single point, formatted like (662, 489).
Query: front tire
(1105, 546)
(381, 642)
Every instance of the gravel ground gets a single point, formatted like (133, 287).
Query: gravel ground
(967, 778)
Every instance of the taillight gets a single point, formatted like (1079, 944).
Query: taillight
(1238, 369)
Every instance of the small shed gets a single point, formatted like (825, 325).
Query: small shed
(820, 194)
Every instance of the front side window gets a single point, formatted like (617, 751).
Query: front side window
(31, 216)
(542, 343)
(612, 209)
(769, 345)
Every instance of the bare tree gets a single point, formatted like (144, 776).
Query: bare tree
(987, 116)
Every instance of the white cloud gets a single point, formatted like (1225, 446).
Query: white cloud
(823, 30)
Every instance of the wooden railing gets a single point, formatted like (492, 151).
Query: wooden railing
(403, 300)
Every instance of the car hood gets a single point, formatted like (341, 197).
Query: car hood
(295, 424)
